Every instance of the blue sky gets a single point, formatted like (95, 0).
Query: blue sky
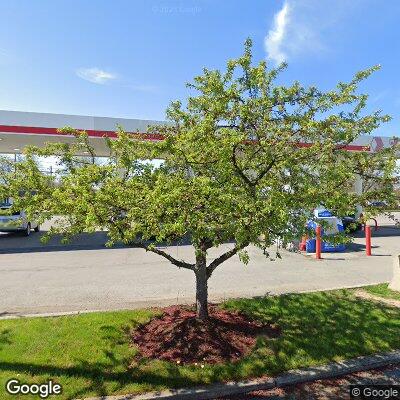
(131, 58)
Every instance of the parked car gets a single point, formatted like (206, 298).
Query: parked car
(351, 224)
(16, 221)
(379, 204)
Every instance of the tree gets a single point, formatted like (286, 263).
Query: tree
(244, 162)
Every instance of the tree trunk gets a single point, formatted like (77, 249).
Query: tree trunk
(201, 288)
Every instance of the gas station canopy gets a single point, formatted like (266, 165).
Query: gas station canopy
(19, 129)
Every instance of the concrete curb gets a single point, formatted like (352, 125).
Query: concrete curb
(328, 371)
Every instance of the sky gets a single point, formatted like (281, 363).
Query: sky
(132, 58)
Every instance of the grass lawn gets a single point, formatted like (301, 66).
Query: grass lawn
(382, 290)
(89, 354)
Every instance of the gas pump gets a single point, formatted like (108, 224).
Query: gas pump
(332, 225)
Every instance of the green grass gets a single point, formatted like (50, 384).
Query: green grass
(382, 290)
(90, 355)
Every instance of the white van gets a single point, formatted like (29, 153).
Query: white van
(15, 222)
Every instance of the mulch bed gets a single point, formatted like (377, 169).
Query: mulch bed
(177, 336)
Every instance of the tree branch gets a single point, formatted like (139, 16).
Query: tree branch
(238, 170)
(222, 258)
(172, 260)
(265, 171)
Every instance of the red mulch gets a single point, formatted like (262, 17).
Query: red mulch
(179, 337)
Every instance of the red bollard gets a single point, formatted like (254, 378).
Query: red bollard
(368, 240)
(303, 243)
(318, 242)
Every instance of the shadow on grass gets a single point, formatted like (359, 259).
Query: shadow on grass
(319, 328)
(316, 328)
(98, 375)
(116, 369)
(5, 337)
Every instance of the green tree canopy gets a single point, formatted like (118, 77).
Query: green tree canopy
(246, 160)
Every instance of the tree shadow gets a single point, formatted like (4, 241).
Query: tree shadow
(316, 328)
(5, 338)
(319, 328)
(98, 375)
(12, 243)
(383, 231)
(115, 369)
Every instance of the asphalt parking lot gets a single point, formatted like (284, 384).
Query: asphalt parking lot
(84, 275)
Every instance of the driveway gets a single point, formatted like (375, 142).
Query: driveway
(36, 278)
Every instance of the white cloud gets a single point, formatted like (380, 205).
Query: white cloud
(296, 30)
(276, 35)
(95, 75)
(101, 77)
